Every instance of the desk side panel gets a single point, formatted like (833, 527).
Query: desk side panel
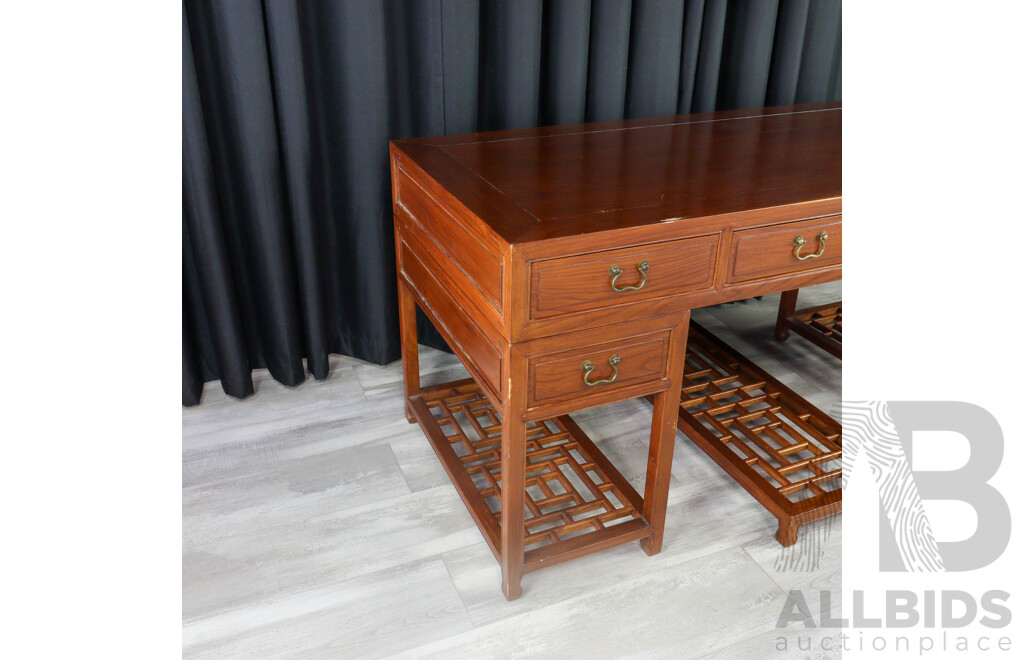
(479, 347)
(470, 260)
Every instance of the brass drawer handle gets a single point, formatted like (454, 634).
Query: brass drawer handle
(615, 271)
(799, 241)
(588, 366)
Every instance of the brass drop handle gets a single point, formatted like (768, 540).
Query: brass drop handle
(799, 241)
(588, 366)
(615, 271)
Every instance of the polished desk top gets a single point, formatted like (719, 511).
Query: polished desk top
(560, 181)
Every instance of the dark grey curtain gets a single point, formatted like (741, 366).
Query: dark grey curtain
(288, 106)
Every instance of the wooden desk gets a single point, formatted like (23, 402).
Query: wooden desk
(560, 265)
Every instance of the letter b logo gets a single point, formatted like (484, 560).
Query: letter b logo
(883, 431)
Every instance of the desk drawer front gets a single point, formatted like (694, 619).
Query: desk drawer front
(598, 368)
(778, 250)
(616, 277)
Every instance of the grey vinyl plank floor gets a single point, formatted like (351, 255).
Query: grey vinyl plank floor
(318, 523)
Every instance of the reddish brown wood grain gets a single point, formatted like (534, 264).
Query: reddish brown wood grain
(505, 239)
(482, 357)
(559, 375)
(568, 181)
(770, 251)
(481, 267)
(583, 282)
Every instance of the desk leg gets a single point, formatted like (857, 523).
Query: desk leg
(787, 307)
(410, 348)
(663, 441)
(513, 477)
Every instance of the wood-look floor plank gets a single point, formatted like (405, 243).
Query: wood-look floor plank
(383, 381)
(684, 610)
(205, 463)
(275, 492)
(814, 564)
(367, 617)
(793, 641)
(418, 462)
(268, 562)
(274, 406)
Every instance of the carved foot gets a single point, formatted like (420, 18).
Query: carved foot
(512, 591)
(650, 546)
(787, 532)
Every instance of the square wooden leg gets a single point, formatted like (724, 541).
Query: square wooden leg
(513, 479)
(513, 490)
(410, 347)
(663, 441)
(787, 306)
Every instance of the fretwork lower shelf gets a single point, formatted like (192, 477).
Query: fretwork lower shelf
(577, 502)
(784, 451)
(821, 325)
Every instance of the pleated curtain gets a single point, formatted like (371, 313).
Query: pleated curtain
(288, 106)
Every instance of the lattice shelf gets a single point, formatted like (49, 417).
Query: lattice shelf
(782, 449)
(576, 500)
(821, 325)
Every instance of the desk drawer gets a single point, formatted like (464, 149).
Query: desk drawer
(615, 277)
(773, 251)
(598, 368)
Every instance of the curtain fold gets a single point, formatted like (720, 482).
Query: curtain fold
(287, 107)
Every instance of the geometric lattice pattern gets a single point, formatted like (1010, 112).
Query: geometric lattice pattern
(826, 320)
(786, 444)
(821, 325)
(567, 493)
